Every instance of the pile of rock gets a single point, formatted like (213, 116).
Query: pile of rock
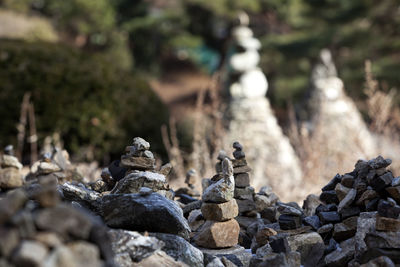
(219, 208)
(359, 217)
(10, 171)
(252, 120)
(44, 233)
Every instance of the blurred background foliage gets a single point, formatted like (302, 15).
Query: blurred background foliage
(106, 51)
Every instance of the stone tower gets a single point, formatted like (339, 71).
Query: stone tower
(335, 120)
(253, 123)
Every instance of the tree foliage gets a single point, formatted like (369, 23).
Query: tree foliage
(87, 99)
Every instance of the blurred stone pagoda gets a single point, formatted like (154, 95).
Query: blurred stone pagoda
(252, 121)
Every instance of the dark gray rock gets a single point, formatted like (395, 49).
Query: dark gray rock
(79, 193)
(329, 217)
(329, 197)
(242, 180)
(312, 221)
(332, 183)
(153, 213)
(288, 222)
(179, 249)
(279, 243)
(386, 209)
(379, 162)
(64, 220)
(134, 244)
(381, 182)
(349, 212)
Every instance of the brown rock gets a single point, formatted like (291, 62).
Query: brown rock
(11, 204)
(137, 163)
(218, 234)
(387, 224)
(242, 169)
(262, 236)
(220, 211)
(347, 180)
(30, 253)
(49, 239)
(345, 229)
(8, 241)
(367, 195)
(239, 162)
(394, 192)
(10, 178)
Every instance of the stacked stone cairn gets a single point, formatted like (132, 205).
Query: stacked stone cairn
(10, 171)
(219, 209)
(139, 164)
(243, 191)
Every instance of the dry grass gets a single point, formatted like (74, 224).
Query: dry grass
(208, 133)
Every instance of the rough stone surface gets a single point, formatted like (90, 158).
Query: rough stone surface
(153, 213)
(137, 163)
(387, 224)
(218, 234)
(306, 245)
(342, 255)
(136, 180)
(222, 190)
(30, 253)
(159, 259)
(310, 204)
(220, 211)
(10, 161)
(181, 250)
(64, 220)
(242, 180)
(135, 245)
(10, 178)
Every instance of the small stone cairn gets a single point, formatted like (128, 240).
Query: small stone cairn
(10, 171)
(219, 209)
(139, 163)
(243, 191)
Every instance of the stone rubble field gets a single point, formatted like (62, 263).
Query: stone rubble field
(130, 216)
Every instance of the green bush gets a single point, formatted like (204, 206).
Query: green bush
(87, 98)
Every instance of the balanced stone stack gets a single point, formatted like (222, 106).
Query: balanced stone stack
(252, 121)
(139, 164)
(219, 209)
(243, 191)
(10, 171)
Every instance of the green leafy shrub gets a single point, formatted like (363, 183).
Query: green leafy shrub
(84, 97)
